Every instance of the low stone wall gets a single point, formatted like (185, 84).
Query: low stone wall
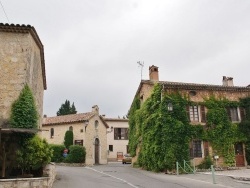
(42, 182)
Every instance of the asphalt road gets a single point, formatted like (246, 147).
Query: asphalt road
(117, 175)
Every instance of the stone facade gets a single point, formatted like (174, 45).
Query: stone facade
(89, 129)
(118, 146)
(21, 62)
(196, 93)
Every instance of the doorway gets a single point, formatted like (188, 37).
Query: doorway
(239, 155)
(97, 150)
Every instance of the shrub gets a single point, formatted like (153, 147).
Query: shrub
(34, 154)
(68, 139)
(57, 152)
(206, 163)
(23, 112)
(77, 154)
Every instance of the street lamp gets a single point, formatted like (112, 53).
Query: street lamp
(111, 129)
(86, 124)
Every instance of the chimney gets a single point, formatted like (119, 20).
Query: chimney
(95, 109)
(227, 81)
(153, 73)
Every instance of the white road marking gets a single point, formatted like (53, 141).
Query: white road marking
(130, 184)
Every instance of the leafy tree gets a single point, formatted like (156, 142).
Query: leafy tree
(66, 109)
(68, 138)
(23, 111)
(34, 153)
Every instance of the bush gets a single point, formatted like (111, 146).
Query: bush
(77, 154)
(34, 154)
(57, 153)
(206, 163)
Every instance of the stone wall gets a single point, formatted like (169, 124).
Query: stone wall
(20, 64)
(43, 182)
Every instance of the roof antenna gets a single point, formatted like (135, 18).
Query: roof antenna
(141, 64)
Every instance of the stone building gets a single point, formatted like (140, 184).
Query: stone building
(117, 138)
(196, 113)
(89, 130)
(21, 62)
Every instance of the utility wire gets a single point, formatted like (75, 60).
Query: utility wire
(4, 11)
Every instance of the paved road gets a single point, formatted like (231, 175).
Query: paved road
(124, 176)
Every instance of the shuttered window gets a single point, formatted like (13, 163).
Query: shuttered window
(121, 133)
(196, 149)
(233, 114)
(242, 113)
(203, 114)
(193, 113)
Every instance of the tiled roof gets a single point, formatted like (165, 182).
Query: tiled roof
(12, 28)
(115, 119)
(72, 118)
(194, 86)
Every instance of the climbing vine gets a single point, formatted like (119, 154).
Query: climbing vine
(221, 132)
(245, 125)
(163, 136)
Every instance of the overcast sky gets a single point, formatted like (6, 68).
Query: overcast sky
(92, 46)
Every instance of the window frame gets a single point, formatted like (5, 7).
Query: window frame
(120, 133)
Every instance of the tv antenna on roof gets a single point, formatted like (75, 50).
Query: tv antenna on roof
(141, 64)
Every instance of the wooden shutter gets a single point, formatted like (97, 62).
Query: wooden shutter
(187, 110)
(206, 148)
(229, 114)
(203, 114)
(242, 113)
(191, 151)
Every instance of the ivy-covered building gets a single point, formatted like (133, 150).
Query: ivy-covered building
(174, 121)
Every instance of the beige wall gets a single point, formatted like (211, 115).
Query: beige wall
(88, 137)
(20, 63)
(118, 145)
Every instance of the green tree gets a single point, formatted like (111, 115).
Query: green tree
(66, 109)
(68, 138)
(34, 153)
(23, 111)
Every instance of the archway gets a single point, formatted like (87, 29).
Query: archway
(97, 150)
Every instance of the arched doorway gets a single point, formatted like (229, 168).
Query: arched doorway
(97, 146)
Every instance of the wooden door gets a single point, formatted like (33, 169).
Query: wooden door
(97, 151)
(239, 155)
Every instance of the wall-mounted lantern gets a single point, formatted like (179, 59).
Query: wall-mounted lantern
(170, 106)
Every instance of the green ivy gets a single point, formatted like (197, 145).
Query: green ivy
(221, 132)
(245, 125)
(163, 136)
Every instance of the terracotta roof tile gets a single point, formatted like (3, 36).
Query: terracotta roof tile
(72, 118)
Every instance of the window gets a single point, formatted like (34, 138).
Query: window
(110, 147)
(193, 113)
(52, 133)
(121, 133)
(96, 124)
(196, 149)
(79, 142)
(233, 114)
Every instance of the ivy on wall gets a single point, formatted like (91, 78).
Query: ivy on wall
(221, 132)
(245, 125)
(163, 136)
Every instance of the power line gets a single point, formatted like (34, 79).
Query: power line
(4, 11)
